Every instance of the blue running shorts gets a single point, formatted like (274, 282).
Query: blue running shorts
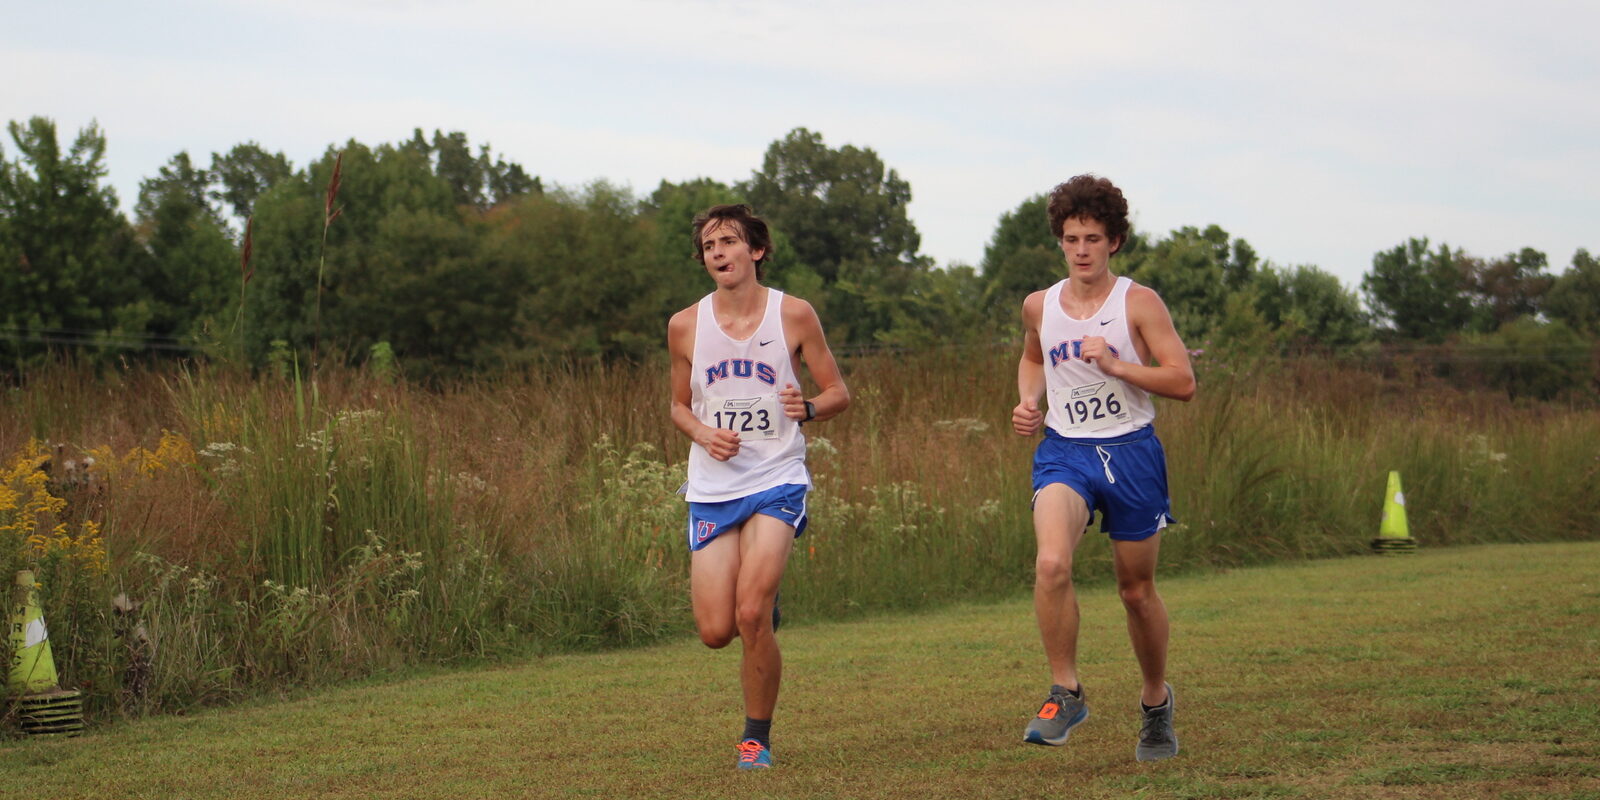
(786, 503)
(1123, 477)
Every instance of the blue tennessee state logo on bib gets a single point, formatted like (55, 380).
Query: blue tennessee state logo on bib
(742, 368)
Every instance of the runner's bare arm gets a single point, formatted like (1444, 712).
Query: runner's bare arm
(804, 331)
(722, 444)
(1169, 374)
(1026, 417)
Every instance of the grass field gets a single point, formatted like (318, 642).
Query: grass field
(272, 532)
(1456, 673)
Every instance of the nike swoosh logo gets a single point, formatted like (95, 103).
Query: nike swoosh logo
(1108, 321)
(767, 342)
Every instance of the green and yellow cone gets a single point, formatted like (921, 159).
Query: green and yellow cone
(44, 708)
(32, 667)
(1394, 536)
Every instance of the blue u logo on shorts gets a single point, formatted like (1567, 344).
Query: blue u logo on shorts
(786, 503)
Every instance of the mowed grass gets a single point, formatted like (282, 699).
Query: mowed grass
(1455, 673)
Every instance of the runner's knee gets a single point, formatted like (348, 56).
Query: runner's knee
(1053, 570)
(753, 615)
(1136, 595)
(717, 637)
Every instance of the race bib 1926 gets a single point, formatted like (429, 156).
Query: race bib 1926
(1090, 407)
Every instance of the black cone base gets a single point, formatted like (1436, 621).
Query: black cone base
(1389, 546)
(57, 713)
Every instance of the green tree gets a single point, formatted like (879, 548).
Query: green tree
(189, 276)
(1509, 287)
(478, 180)
(864, 303)
(1420, 293)
(381, 190)
(455, 163)
(668, 216)
(941, 307)
(1529, 359)
(508, 180)
(280, 298)
(1310, 308)
(442, 304)
(244, 174)
(590, 285)
(1194, 271)
(178, 178)
(1023, 256)
(848, 244)
(65, 249)
(1574, 296)
(1242, 329)
(415, 257)
(835, 205)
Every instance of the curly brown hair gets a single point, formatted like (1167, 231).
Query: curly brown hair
(743, 219)
(1090, 197)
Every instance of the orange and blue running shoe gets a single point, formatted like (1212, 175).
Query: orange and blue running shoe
(754, 755)
(1062, 711)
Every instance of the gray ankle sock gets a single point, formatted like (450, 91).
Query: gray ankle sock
(759, 730)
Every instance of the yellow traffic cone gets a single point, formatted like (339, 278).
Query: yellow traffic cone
(32, 667)
(1394, 536)
(44, 708)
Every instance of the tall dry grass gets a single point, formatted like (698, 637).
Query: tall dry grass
(267, 533)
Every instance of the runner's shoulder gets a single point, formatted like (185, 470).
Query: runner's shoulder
(1143, 299)
(1033, 305)
(681, 327)
(798, 314)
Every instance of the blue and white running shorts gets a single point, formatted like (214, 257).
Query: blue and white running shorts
(786, 503)
(1123, 477)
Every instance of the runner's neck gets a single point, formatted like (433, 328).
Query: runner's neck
(1082, 298)
(739, 309)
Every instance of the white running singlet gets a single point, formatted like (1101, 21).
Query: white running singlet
(1085, 403)
(735, 386)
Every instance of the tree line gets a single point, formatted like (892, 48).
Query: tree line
(457, 261)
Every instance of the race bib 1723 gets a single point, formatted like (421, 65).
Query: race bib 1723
(752, 417)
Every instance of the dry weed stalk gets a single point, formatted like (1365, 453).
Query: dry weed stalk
(329, 214)
(246, 269)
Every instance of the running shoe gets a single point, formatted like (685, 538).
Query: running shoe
(1060, 713)
(754, 755)
(1157, 739)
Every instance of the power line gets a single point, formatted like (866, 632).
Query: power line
(99, 339)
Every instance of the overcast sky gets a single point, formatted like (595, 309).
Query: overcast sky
(1321, 133)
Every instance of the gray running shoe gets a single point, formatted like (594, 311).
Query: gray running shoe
(1060, 713)
(1157, 740)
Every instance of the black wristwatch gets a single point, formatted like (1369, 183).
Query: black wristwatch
(811, 412)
